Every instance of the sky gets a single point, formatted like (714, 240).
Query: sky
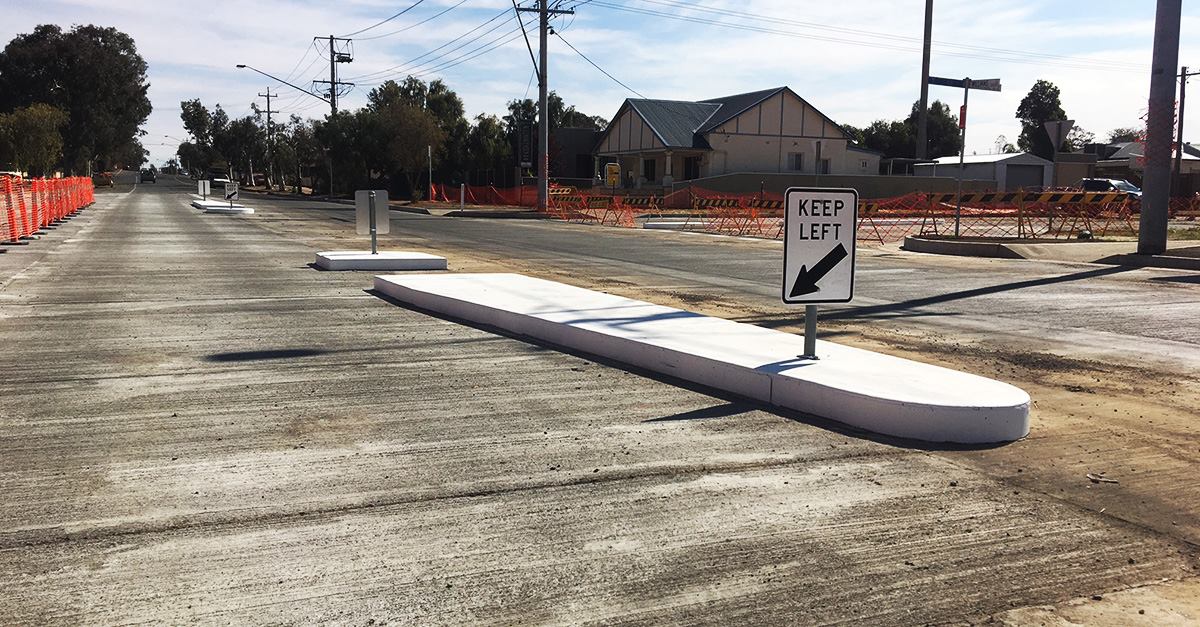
(855, 60)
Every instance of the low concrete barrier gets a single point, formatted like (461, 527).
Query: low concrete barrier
(871, 391)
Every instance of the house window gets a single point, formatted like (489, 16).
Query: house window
(648, 169)
(823, 168)
(691, 168)
(796, 161)
(862, 163)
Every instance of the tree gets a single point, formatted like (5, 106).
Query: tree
(488, 146)
(1003, 147)
(1039, 106)
(409, 130)
(446, 109)
(855, 133)
(893, 139)
(30, 138)
(197, 121)
(92, 73)
(1078, 138)
(898, 138)
(941, 130)
(1126, 134)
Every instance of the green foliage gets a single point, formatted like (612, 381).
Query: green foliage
(487, 143)
(92, 73)
(942, 132)
(1126, 134)
(898, 138)
(855, 133)
(30, 138)
(1040, 105)
(893, 139)
(1078, 138)
(383, 144)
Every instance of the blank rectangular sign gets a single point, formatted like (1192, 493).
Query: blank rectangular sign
(362, 203)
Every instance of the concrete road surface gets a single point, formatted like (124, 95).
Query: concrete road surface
(197, 426)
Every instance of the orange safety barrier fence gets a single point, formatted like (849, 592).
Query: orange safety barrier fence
(1041, 214)
(29, 205)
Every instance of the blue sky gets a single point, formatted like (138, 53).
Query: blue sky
(856, 60)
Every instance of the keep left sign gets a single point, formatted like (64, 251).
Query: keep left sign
(818, 245)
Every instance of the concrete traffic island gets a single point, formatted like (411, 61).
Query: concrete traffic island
(363, 260)
(221, 206)
(876, 392)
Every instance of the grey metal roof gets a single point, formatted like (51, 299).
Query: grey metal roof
(682, 124)
(675, 122)
(731, 106)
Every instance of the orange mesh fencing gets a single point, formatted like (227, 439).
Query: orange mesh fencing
(1040, 214)
(30, 205)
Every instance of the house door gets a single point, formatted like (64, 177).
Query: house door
(691, 168)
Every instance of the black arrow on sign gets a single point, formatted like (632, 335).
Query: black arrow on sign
(806, 280)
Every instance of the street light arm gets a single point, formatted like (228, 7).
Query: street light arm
(274, 78)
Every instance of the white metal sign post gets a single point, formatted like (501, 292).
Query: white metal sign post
(818, 252)
(366, 202)
(231, 193)
(204, 188)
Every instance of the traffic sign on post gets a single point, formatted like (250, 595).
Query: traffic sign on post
(362, 211)
(818, 245)
(819, 229)
(371, 213)
(203, 188)
(231, 192)
(612, 174)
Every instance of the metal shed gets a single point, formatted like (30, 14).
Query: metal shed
(1010, 171)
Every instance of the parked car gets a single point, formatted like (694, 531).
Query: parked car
(102, 179)
(1110, 185)
(148, 176)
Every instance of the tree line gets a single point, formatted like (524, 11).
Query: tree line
(898, 138)
(72, 101)
(386, 143)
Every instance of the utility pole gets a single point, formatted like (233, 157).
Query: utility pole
(1156, 194)
(1183, 76)
(270, 138)
(336, 57)
(544, 13)
(923, 114)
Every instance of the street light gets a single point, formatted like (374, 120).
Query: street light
(276, 78)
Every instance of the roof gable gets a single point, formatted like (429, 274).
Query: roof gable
(683, 124)
(730, 107)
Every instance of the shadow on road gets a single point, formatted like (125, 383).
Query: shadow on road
(903, 307)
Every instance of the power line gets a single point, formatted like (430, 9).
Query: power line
(602, 71)
(773, 19)
(448, 43)
(1076, 64)
(382, 22)
(524, 34)
(412, 26)
(473, 54)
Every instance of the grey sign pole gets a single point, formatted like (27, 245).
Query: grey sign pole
(962, 152)
(986, 84)
(371, 212)
(810, 332)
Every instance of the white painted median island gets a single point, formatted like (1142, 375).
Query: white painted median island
(871, 391)
(362, 260)
(220, 206)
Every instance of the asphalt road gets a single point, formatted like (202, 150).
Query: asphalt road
(197, 426)
(1060, 306)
